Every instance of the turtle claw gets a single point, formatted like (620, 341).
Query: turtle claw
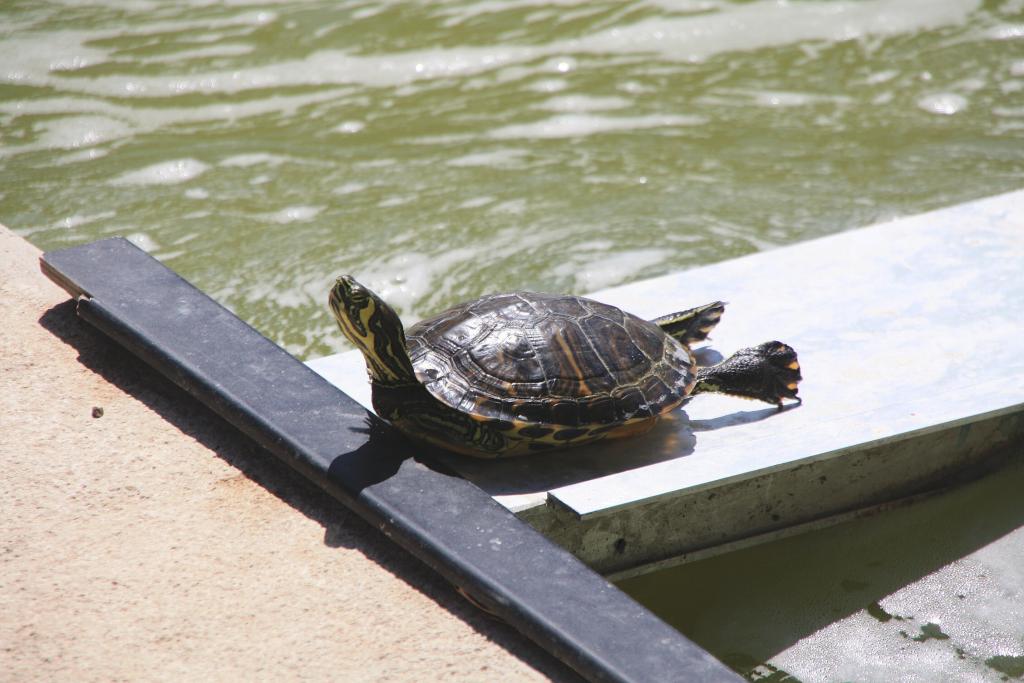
(785, 367)
(795, 403)
(781, 372)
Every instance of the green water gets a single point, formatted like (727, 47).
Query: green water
(443, 150)
(439, 151)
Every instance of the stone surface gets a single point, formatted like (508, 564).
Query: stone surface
(143, 538)
(909, 340)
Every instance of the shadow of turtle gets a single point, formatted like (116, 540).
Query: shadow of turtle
(740, 417)
(673, 436)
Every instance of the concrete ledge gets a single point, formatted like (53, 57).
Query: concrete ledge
(157, 543)
(909, 338)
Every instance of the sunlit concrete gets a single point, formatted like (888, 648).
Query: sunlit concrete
(909, 336)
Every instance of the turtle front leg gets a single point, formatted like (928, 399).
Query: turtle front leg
(455, 431)
(769, 372)
(417, 414)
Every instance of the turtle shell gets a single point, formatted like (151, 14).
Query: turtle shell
(550, 359)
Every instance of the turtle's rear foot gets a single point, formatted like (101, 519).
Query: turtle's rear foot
(692, 326)
(769, 372)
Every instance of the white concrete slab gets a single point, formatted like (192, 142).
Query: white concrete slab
(910, 333)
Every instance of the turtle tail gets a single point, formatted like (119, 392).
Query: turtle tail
(693, 325)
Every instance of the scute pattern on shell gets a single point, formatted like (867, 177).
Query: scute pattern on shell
(550, 360)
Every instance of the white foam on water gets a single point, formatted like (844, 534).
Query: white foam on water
(563, 64)
(295, 214)
(197, 193)
(476, 202)
(734, 231)
(970, 84)
(548, 85)
(350, 188)
(599, 272)
(405, 279)
(1008, 127)
(126, 5)
(1006, 32)
(598, 245)
(143, 241)
(580, 125)
(250, 17)
(163, 173)
(253, 159)
(82, 219)
(39, 58)
(688, 6)
(1008, 111)
(70, 132)
(396, 200)
(218, 50)
(498, 158)
(460, 13)
(748, 26)
(27, 59)
(130, 121)
(516, 72)
(75, 157)
(280, 291)
(376, 163)
(768, 23)
(945, 104)
(616, 179)
(882, 76)
(236, 3)
(514, 207)
(634, 87)
(583, 103)
(446, 139)
(367, 12)
(322, 68)
(349, 127)
(769, 98)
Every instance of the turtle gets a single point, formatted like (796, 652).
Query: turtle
(525, 372)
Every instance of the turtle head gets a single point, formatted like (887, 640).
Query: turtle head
(375, 329)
